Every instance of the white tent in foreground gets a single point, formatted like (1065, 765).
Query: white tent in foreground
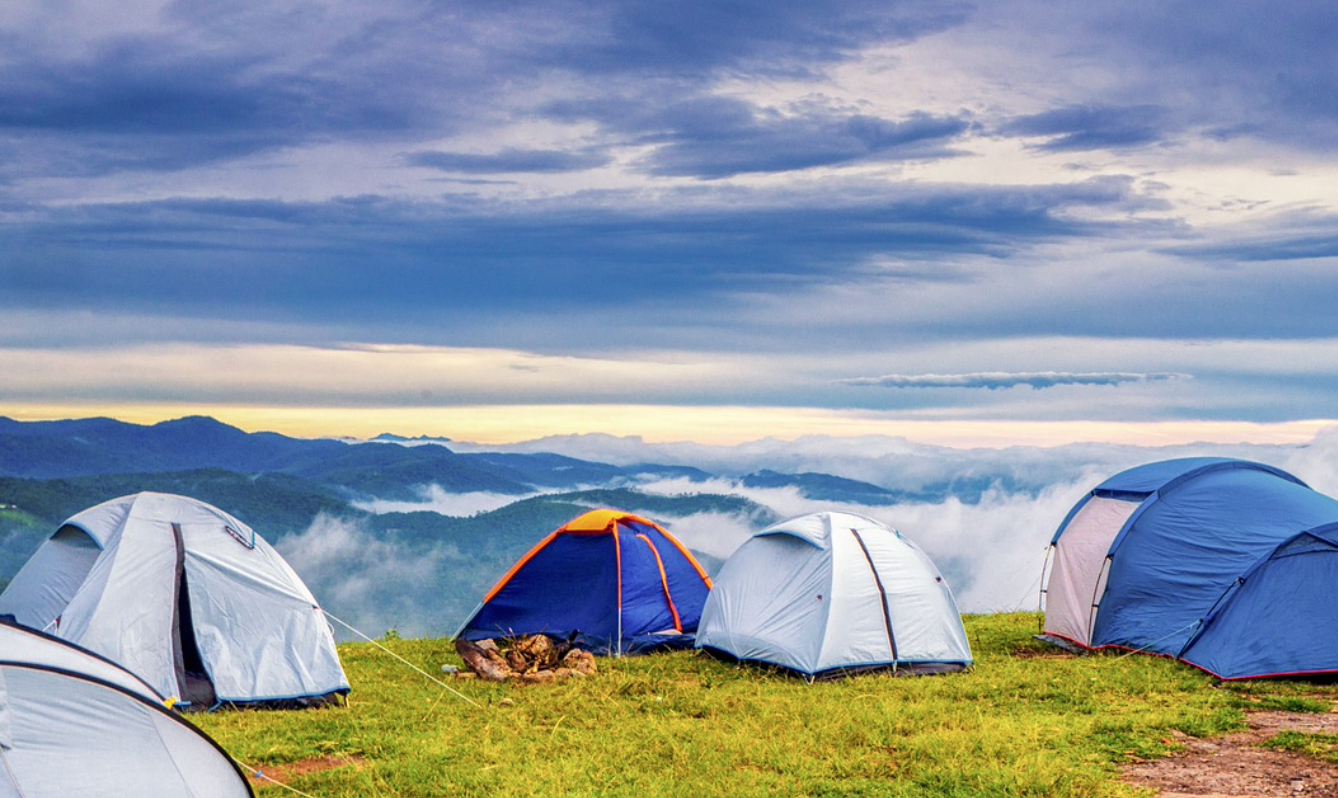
(73, 724)
(831, 593)
(186, 597)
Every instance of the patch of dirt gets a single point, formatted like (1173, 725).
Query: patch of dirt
(286, 772)
(1040, 653)
(1234, 766)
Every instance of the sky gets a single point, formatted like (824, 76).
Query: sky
(965, 224)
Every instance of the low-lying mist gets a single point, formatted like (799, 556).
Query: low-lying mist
(990, 543)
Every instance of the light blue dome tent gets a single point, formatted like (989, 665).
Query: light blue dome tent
(186, 597)
(829, 594)
(73, 723)
(1225, 564)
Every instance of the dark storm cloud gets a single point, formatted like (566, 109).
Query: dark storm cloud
(131, 109)
(999, 380)
(369, 258)
(688, 40)
(1237, 68)
(1086, 127)
(649, 94)
(716, 137)
(510, 160)
(1296, 245)
(205, 83)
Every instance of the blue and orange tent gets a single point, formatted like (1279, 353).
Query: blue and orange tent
(609, 581)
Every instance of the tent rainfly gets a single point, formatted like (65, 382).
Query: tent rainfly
(186, 597)
(1224, 564)
(829, 594)
(611, 582)
(73, 723)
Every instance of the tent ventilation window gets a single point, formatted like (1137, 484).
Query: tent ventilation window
(250, 544)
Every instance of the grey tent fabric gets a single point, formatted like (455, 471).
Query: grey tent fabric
(183, 595)
(20, 645)
(99, 734)
(833, 592)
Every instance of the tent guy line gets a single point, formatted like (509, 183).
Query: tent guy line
(425, 674)
(261, 775)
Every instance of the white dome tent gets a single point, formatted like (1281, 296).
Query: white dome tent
(833, 593)
(185, 596)
(72, 723)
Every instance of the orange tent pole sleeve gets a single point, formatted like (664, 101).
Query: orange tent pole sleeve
(687, 555)
(618, 559)
(664, 583)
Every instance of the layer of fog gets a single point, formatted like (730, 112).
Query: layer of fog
(899, 464)
(369, 583)
(435, 499)
(991, 551)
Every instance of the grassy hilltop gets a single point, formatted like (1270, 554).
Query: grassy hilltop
(1028, 721)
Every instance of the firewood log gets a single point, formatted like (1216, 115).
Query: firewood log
(486, 662)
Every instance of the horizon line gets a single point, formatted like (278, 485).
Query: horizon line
(503, 425)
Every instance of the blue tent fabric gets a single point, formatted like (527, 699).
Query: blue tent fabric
(625, 587)
(1140, 482)
(1182, 549)
(1252, 633)
(568, 587)
(1153, 477)
(1223, 564)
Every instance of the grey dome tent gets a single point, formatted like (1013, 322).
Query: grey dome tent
(74, 724)
(833, 593)
(186, 597)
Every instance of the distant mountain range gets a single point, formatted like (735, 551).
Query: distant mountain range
(383, 470)
(310, 497)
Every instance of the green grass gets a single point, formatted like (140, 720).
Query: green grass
(1027, 721)
(1319, 746)
(1286, 696)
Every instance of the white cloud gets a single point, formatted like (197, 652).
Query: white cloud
(372, 584)
(1315, 464)
(998, 380)
(436, 499)
(713, 534)
(991, 551)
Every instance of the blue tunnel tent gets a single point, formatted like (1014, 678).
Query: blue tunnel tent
(1221, 563)
(611, 582)
(1252, 632)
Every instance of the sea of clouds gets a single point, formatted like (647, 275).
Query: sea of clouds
(991, 545)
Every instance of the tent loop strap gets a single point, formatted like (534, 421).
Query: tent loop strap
(260, 774)
(425, 674)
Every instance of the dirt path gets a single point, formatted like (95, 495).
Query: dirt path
(284, 773)
(1235, 766)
